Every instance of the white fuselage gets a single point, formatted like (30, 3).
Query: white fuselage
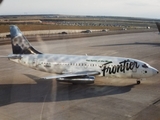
(106, 66)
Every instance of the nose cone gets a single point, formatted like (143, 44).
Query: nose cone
(155, 71)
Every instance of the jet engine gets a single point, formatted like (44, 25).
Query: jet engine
(83, 79)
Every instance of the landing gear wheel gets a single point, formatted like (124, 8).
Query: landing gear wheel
(138, 82)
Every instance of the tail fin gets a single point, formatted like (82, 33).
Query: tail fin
(158, 26)
(20, 45)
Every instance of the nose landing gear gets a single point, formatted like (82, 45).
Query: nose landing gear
(138, 82)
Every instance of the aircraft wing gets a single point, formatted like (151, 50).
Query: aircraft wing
(72, 77)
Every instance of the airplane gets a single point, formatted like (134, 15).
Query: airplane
(75, 68)
(158, 26)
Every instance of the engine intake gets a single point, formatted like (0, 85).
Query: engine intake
(84, 79)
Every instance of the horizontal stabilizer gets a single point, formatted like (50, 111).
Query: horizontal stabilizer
(3, 56)
(12, 56)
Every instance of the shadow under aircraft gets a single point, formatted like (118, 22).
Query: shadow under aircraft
(51, 90)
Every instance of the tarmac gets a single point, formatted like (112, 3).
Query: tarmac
(24, 96)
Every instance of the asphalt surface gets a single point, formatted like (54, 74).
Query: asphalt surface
(24, 96)
(34, 35)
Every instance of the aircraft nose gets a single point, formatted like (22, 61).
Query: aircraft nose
(155, 71)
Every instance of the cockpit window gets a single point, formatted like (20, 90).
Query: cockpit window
(144, 66)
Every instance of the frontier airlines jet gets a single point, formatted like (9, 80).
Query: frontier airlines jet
(76, 68)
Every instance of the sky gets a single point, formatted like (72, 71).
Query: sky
(126, 8)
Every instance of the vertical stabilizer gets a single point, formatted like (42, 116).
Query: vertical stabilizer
(20, 45)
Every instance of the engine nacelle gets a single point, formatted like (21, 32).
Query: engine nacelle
(85, 79)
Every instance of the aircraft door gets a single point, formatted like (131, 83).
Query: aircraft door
(134, 69)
